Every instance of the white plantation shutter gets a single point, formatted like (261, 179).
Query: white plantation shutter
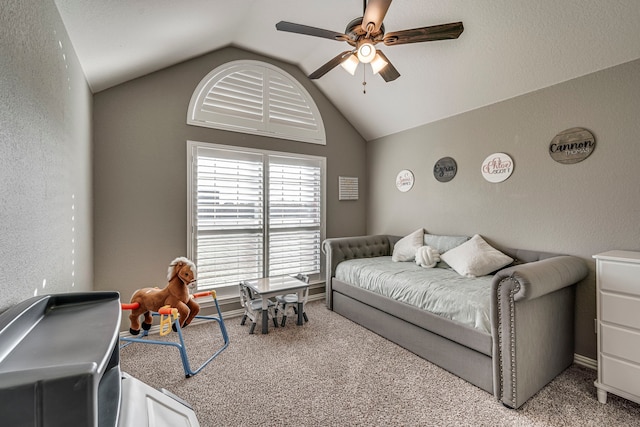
(253, 214)
(289, 109)
(257, 98)
(294, 216)
(234, 99)
(229, 216)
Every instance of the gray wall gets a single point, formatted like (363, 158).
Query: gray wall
(45, 147)
(140, 179)
(579, 209)
(139, 186)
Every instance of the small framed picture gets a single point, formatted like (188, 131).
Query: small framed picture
(347, 188)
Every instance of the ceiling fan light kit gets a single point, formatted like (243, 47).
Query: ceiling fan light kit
(378, 63)
(350, 64)
(364, 33)
(366, 51)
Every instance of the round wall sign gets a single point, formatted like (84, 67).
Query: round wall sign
(404, 180)
(572, 146)
(445, 169)
(497, 167)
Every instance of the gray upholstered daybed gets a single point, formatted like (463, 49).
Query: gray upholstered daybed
(524, 339)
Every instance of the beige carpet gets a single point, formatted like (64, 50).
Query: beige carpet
(332, 372)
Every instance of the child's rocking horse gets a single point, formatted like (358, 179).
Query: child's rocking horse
(180, 308)
(176, 295)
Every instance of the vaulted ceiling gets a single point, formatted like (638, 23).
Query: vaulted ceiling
(508, 47)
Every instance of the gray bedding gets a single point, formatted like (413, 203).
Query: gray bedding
(440, 291)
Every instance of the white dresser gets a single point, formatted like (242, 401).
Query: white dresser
(618, 327)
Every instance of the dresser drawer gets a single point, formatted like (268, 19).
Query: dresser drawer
(619, 277)
(620, 309)
(621, 375)
(620, 342)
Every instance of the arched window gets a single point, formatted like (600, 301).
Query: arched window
(257, 98)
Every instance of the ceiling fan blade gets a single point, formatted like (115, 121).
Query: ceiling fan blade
(389, 72)
(310, 31)
(425, 34)
(329, 65)
(374, 14)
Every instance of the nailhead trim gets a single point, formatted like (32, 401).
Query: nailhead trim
(499, 332)
(515, 289)
(512, 328)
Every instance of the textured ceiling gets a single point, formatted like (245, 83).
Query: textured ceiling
(508, 47)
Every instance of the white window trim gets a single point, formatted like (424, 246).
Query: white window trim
(264, 127)
(232, 290)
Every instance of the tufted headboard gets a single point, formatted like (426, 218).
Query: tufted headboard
(344, 248)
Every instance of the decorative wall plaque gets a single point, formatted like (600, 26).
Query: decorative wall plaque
(572, 145)
(497, 167)
(445, 169)
(347, 188)
(404, 180)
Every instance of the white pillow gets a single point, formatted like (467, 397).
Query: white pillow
(405, 249)
(475, 258)
(443, 244)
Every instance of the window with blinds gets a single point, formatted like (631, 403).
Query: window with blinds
(258, 98)
(294, 215)
(253, 213)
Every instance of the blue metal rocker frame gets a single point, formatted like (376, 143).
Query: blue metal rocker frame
(180, 345)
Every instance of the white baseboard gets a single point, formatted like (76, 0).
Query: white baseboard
(587, 362)
(239, 312)
(155, 329)
(229, 314)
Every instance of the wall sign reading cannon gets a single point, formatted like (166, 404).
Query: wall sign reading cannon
(572, 146)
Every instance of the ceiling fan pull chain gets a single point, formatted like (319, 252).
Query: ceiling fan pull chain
(364, 80)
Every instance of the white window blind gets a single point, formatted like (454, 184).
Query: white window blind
(253, 214)
(294, 216)
(257, 98)
(229, 216)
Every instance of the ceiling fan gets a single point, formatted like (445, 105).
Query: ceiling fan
(364, 33)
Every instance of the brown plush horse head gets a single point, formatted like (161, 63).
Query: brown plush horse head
(184, 269)
(181, 275)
